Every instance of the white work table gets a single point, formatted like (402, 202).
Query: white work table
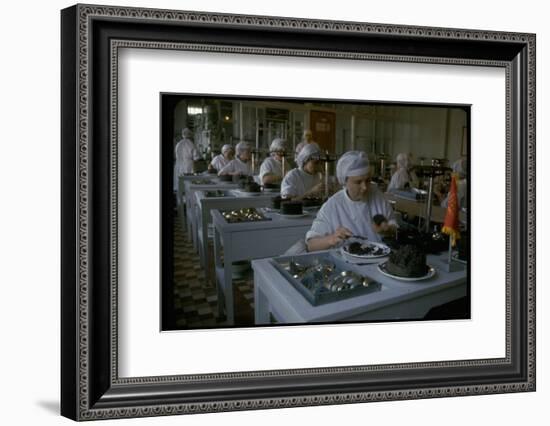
(180, 196)
(184, 178)
(275, 295)
(190, 189)
(419, 207)
(247, 241)
(231, 200)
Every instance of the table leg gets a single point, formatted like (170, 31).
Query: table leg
(218, 265)
(204, 246)
(261, 304)
(188, 217)
(181, 210)
(199, 239)
(194, 230)
(228, 282)
(182, 213)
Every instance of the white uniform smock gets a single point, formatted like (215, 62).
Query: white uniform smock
(297, 182)
(400, 178)
(185, 153)
(219, 162)
(236, 166)
(301, 145)
(271, 166)
(340, 210)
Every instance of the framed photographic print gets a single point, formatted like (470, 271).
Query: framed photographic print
(219, 210)
(264, 212)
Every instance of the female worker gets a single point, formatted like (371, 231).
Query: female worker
(241, 164)
(351, 211)
(271, 170)
(304, 181)
(307, 139)
(185, 154)
(402, 178)
(223, 159)
(460, 168)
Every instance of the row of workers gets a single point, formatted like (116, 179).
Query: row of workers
(186, 153)
(405, 177)
(305, 180)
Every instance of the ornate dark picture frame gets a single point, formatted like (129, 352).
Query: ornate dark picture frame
(91, 387)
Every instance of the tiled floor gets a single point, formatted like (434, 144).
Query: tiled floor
(196, 300)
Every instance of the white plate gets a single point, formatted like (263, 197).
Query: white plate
(271, 189)
(361, 261)
(383, 271)
(386, 249)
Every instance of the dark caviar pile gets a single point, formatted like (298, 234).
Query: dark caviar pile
(407, 261)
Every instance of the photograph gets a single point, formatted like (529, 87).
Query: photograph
(295, 211)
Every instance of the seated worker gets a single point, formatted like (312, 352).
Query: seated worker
(240, 165)
(307, 139)
(460, 167)
(357, 209)
(223, 159)
(304, 181)
(271, 170)
(403, 177)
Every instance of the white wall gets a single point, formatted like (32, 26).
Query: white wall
(29, 225)
(425, 131)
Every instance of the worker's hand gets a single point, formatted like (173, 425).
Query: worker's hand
(340, 235)
(381, 228)
(384, 228)
(317, 189)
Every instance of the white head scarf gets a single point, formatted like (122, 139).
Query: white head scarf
(226, 148)
(352, 163)
(277, 144)
(402, 160)
(186, 133)
(242, 147)
(307, 153)
(460, 167)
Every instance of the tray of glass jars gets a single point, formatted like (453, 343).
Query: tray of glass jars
(324, 278)
(243, 215)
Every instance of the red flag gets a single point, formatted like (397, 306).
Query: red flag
(450, 225)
